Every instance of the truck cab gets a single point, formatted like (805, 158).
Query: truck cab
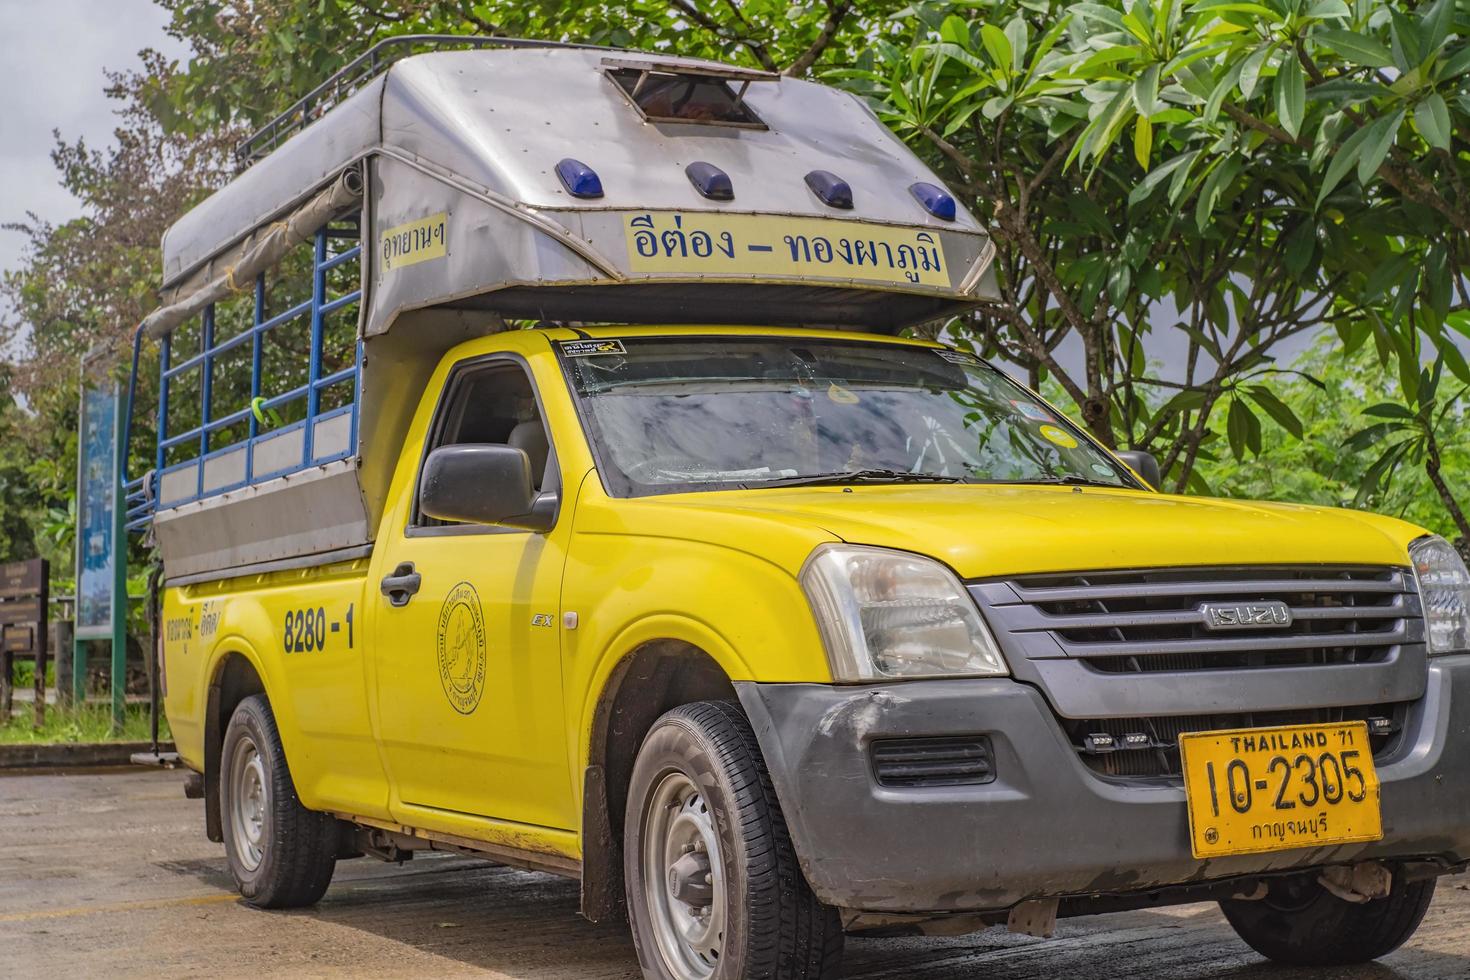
(764, 621)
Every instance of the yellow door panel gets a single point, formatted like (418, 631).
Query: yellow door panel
(468, 660)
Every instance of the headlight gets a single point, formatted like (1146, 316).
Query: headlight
(890, 614)
(1444, 588)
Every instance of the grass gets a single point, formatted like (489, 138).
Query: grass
(87, 723)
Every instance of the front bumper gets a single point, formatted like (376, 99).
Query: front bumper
(1047, 826)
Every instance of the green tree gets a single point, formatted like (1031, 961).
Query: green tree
(1332, 464)
(1145, 167)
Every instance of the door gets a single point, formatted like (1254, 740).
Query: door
(467, 644)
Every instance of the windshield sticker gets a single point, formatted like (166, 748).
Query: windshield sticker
(841, 395)
(589, 348)
(1032, 411)
(958, 356)
(418, 241)
(756, 245)
(1059, 437)
(1103, 469)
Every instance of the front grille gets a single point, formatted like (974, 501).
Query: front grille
(1161, 756)
(945, 761)
(1152, 620)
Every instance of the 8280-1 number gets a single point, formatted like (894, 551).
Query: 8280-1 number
(306, 630)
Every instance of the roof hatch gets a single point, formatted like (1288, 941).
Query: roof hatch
(702, 94)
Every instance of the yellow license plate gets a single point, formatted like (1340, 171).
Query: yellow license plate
(1272, 789)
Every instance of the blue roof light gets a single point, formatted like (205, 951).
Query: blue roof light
(832, 189)
(936, 200)
(579, 179)
(710, 181)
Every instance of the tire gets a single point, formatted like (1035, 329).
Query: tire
(281, 854)
(699, 782)
(1301, 923)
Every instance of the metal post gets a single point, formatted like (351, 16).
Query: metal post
(119, 573)
(42, 645)
(314, 362)
(206, 389)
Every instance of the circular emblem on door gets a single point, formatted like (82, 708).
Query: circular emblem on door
(462, 648)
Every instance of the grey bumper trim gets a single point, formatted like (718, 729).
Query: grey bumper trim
(1046, 826)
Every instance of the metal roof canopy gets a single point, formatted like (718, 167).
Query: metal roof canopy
(446, 164)
(474, 137)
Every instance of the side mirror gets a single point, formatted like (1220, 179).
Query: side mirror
(1144, 464)
(484, 484)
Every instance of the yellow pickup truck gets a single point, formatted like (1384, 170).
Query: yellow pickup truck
(766, 633)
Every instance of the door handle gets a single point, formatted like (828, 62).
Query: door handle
(402, 584)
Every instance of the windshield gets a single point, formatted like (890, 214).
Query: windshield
(673, 414)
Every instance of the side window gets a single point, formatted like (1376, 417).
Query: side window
(492, 403)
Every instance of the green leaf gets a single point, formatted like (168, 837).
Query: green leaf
(1156, 177)
(1457, 65)
(1456, 360)
(1215, 184)
(1329, 10)
(1370, 436)
(1301, 242)
(1385, 464)
(1250, 70)
(1432, 119)
(955, 30)
(1143, 140)
(1434, 26)
(1291, 95)
(1243, 429)
(1236, 6)
(1277, 409)
(1380, 138)
(1389, 410)
(1146, 91)
(1354, 47)
(1017, 34)
(1341, 163)
(1223, 88)
(1096, 11)
(1403, 35)
(997, 45)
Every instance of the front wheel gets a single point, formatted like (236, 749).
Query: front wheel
(1301, 923)
(714, 889)
(281, 854)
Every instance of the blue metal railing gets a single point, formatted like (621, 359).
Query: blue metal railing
(141, 499)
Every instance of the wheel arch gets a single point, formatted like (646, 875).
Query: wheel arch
(236, 675)
(637, 689)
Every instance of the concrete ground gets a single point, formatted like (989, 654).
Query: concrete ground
(110, 875)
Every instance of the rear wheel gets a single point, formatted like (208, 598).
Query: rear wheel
(1301, 923)
(714, 890)
(281, 854)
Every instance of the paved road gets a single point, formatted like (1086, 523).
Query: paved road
(110, 875)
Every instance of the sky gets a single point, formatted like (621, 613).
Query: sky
(53, 54)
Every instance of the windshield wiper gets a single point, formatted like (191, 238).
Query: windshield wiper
(1068, 480)
(872, 475)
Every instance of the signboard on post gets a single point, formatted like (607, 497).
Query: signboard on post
(102, 599)
(96, 513)
(23, 619)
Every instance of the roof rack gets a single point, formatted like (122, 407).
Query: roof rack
(361, 69)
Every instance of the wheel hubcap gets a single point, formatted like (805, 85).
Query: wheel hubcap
(248, 803)
(683, 878)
